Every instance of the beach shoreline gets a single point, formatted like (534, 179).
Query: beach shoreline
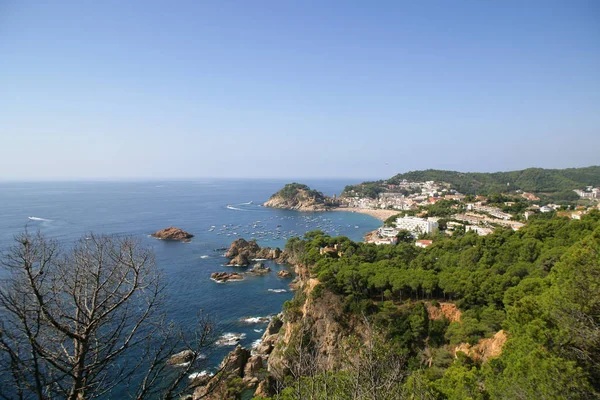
(380, 214)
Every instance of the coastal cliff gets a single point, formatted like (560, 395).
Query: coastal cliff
(299, 197)
(399, 322)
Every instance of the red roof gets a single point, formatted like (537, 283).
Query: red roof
(425, 242)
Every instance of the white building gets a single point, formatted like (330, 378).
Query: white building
(416, 225)
(392, 241)
(387, 231)
(481, 231)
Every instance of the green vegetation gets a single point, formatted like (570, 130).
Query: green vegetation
(550, 181)
(540, 284)
(292, 190)
(366, 189)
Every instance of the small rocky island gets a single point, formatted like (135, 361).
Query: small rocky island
(299, 197)
(259, 269)
(242, 252)
(172, 233)
(223, 277)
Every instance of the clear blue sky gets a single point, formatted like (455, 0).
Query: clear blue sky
(182, 89)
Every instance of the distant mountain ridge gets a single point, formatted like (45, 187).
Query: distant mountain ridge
(537, 180)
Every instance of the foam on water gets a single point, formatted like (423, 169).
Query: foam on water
(230, 339)
(256, 320)
(40, 219)
(199, 374)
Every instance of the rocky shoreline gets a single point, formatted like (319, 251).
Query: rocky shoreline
(251, 365)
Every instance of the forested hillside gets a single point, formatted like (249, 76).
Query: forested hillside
(530, 299)
(536, 180)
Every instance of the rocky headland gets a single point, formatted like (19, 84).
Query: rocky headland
(299, 197)
(172, 233)
(318, 314)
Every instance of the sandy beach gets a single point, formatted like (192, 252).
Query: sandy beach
(379, 213)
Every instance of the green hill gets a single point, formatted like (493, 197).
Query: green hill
(537, 180)
(556, 183)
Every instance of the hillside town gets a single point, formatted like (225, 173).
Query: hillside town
(428, 208)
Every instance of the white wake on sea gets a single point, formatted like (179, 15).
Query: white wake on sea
(39, 219)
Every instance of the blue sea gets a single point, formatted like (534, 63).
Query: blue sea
(215, 211)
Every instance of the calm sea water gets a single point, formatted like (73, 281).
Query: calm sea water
(69, 211)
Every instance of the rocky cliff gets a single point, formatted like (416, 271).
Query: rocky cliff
(485, 348)
(295, 196)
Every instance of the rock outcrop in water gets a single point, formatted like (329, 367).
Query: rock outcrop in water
(242, 252)
(226, 276)
(284, 274)
(181, 358)
(172, 233)
(259, 269)
(295, 196)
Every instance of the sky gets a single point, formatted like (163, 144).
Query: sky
(274, 89)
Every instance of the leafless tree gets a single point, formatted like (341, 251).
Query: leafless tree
(369, 368)
(376, 369)
(78, 323)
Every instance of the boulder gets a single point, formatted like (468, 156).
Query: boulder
(274, 254)
(283, 258)
(242, 246)
(267, 344)
(200, 380)
(274, 326)
(236, 360)
(251, 382)
(264, 388)
(259, 269)
(172, 233)
(182, 357)
(241, 252)
(252, 367)
(284, 274)
(263, 253)
(226, 276)
(240, 260)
